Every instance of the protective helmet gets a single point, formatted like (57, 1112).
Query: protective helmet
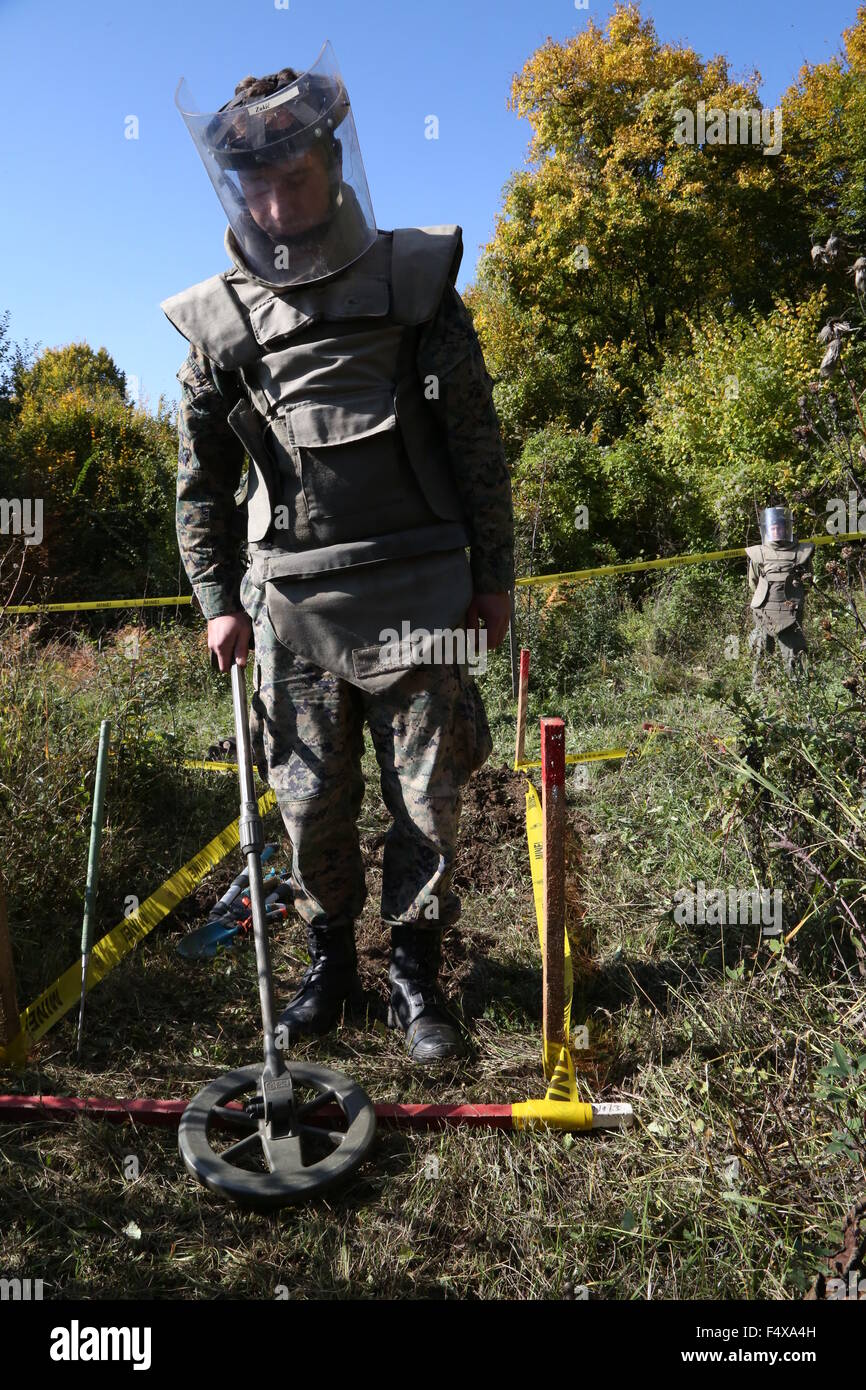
(295, 193)
(247, 134)
(777, 526)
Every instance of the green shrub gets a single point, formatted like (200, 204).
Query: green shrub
(104, 471)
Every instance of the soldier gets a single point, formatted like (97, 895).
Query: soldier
(778, 569)
(341, 359)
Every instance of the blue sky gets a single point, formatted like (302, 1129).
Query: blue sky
(97, 229)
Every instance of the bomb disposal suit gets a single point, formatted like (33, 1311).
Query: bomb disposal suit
(778, 569)
(341, 361)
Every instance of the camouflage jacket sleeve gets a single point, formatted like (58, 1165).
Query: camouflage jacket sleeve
(210, 461)
(450, 363)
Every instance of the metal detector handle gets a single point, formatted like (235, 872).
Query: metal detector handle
(252, 842)
(251, 833)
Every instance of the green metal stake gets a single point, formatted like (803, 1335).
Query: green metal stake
(93, 865)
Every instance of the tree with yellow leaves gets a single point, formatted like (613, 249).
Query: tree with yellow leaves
(619, 233)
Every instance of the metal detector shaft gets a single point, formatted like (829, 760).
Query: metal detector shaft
(252, 842)
(93, 866)
(514, 646)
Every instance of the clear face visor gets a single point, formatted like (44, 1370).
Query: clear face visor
(288, 172)
(777, 526)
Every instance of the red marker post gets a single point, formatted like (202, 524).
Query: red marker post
(553, 882)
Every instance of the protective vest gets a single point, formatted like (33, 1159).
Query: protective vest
(779, 594)
(343, 444)
(348, 465)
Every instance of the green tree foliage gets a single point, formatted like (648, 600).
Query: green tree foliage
(670, 232)
(578, 503)
(649, 308)
(825, 137)
(14, 362)
(723, 412)
(104, 471)
(73, 367)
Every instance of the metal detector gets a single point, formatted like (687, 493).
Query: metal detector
(286, 1152)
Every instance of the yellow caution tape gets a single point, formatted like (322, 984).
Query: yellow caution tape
(563, 1083)
(80, 606)
(65, 992)
(210, 767)
(535, 837)
(603, 755)
(632, 567)
(558, 1066)
(609, 754)
(561, 1107)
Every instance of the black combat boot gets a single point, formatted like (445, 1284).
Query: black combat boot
(327, 983)
(417, 1005)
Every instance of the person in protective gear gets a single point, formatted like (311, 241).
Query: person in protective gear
(341, 360)
(287, 169)
(779, 569)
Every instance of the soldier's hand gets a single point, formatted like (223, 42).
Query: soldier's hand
(495, 609)
(228, 639)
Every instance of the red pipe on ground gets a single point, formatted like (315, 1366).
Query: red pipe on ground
(166, 1113)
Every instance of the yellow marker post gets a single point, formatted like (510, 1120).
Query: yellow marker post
(561, 1108)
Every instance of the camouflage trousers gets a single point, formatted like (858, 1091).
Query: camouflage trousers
(429, 732)
(792, 649)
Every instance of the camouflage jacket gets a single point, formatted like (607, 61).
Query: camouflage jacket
(211, 525)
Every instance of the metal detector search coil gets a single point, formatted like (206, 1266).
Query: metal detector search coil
(283, 1154)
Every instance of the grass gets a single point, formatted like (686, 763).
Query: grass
(734, 1180)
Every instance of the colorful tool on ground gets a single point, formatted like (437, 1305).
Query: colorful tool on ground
(227, 917)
